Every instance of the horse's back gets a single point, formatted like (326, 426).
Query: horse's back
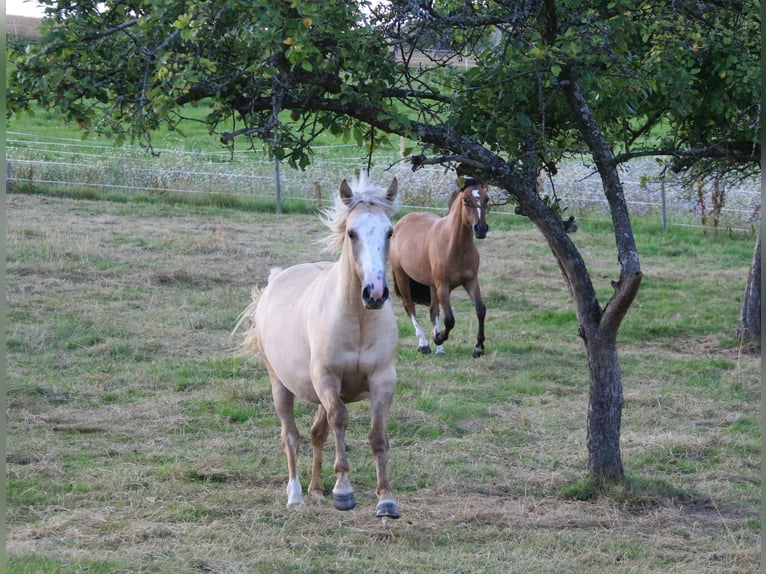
(280, 320)
(412, 225)
(286, 285)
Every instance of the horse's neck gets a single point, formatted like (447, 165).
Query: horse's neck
(460, 229)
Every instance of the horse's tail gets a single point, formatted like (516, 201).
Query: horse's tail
(247, 318)
(421, 294)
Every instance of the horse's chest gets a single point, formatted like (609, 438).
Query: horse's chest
(357, 347)
(459, 267)
(354, 368)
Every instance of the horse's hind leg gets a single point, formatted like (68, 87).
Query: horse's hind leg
(319, 431)
(403, 289)
(283, 403)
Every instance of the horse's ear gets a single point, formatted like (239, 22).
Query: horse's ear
(391, 193)
(345, 192)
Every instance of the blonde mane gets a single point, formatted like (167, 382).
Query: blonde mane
(336, 217)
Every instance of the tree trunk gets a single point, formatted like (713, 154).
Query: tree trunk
(600, 330)
(749, 329)
(604, 411)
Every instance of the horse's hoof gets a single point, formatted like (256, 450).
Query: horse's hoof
(425, 350)
(294, 493)
(387, 509)
(477, 352)
(344, 501)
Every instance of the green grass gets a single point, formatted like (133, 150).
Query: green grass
(136, 442)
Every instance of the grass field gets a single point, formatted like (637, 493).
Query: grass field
(136, 443)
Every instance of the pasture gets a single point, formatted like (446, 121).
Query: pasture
(137, 443)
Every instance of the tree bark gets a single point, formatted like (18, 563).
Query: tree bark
(604, 411)
(749, 330)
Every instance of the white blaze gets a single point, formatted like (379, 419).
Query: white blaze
(476, 195)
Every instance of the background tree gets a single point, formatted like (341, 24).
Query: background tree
(551, 79)
(749, 329)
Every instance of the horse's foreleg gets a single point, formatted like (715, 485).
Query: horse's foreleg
(439, 348)
(290, 438)
(433, 311)
(319, 431)
(381, 394)
(481, 312)
(337, 418)
(442, 298)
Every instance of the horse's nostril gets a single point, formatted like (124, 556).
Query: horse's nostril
(370, 302)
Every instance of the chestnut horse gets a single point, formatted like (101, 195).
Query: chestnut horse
(432, 255)
(327, 334)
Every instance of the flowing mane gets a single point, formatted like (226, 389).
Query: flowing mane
(335, 217)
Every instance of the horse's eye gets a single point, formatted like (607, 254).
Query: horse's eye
(389, 233)
(352, 234)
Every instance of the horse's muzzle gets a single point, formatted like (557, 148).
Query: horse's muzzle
(480, 230)
(372, 302)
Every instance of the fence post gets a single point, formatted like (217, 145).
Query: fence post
(9, 181)
(278, 185)
(664, 208)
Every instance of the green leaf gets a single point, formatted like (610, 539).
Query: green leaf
(523, 120)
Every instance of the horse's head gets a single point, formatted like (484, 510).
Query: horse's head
(475, 201)
(368, 233)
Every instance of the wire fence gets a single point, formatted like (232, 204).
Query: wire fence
(69, 163)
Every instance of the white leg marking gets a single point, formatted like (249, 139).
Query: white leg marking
(294, 492)
(421, 335)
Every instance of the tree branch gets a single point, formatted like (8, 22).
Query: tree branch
(614, 312)
(110, 31)
(228, 136)
(419, 161)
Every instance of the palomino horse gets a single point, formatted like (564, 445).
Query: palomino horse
(431, 255)
(327, 334)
